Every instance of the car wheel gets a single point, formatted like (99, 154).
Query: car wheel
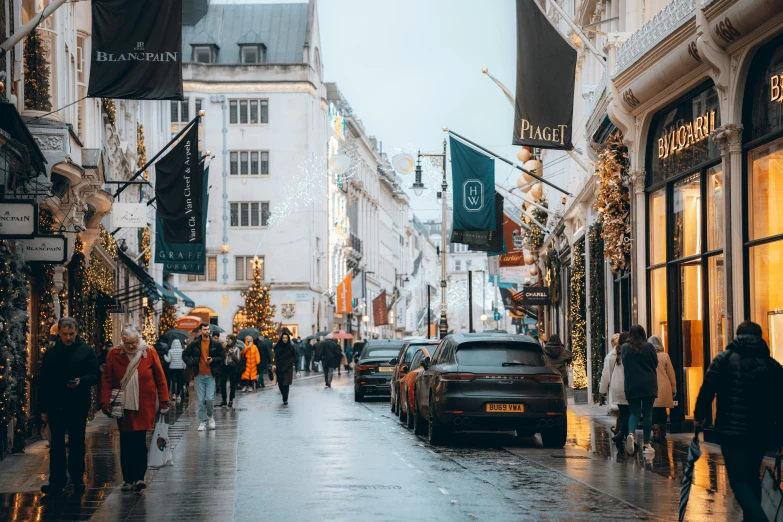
(419, 428)
(555, 437)
(403, 415)
(358, 396)
(392, 406)
(436, 433)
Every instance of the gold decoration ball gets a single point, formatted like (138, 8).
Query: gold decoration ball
(529, 258)
(524, 155)
(533, 270)
(521, 182)
(533, 166)
(537, 191)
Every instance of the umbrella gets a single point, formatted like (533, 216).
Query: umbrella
(255, 333)
(341, 334)
(322, 334)
(169, 336)
(213, 329)
(694, 452)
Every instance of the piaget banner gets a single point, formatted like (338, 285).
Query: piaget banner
(136, 49)
(546, 65)
(179, 191)
(473, 176)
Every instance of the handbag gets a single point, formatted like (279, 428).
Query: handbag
(771, 494)
(160, 450)
(117, 397)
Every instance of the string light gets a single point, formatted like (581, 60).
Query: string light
(257, 312)
(168, 319)
(613, 204)
(111, 111)
(597, 310)
(578, 317)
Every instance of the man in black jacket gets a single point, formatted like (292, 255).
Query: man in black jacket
(205, 356)
(746, 380)
(331, 355)
(68, 370)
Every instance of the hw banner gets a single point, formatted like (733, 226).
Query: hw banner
(178, 187)
(473, 176)
(136, 49)
(546, 67)
(345, 295)
(380, 310)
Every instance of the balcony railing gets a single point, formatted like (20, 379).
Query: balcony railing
(356, 243)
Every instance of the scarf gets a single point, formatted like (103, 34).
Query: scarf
(131, 396)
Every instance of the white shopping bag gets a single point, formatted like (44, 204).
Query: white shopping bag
(160, 451)
(771, 494)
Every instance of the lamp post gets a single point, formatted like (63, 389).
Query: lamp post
(440, 160)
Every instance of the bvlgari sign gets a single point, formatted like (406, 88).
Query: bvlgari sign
(18, 219)
(51, 249)
(682, 136)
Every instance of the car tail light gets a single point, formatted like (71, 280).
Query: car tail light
(365, 367)
(546, 378)
(457, 377)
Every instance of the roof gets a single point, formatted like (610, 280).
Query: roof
(282, 28)
(478, 337)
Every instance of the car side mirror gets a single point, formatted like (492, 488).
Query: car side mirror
(356, 358)
(426, 363)
(394, 362)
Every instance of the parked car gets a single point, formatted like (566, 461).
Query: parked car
(402, 364)
(496, 382)
(374, 368)
(407, 385)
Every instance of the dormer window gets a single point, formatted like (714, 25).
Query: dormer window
(204, 53)
(252, 53)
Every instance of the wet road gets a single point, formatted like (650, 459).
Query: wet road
(325, 457)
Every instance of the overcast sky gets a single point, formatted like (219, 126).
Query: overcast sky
(410, 67)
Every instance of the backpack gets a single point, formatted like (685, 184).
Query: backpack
(242, 364)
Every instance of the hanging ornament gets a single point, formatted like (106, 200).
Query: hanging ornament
(537, 191)
(521, 182)
(529, 258)
(533, 270)
(533, 166)
(524, 155)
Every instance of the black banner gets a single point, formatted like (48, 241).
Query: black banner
(179, 190)
(546, 68)
(136, 49)
(184, 258)
(484, 241)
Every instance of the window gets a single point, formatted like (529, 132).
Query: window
(210, 269)
(457, 265)
(180, 116)
(249, 214)
(467, 264)
(202, 53)
(249, 53)
(244, 267)
(248, 112)
(81, 85)
(244, 163)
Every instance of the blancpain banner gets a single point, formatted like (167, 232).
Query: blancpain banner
(129, 215)
(51, 249)
(18, 219)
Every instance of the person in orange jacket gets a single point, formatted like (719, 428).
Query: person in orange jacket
(252, 358)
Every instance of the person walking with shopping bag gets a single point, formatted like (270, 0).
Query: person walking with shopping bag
(641, 385)
(284, 363)
(667, 389)
(133, 386)
(613, 378)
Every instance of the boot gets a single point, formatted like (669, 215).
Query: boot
(656, 432)
(663, 432)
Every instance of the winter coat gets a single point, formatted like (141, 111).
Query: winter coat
(62, 364)
(667, 385)
(251, 368)
(174, 357)
(302, 349)
(285, 359)
(613, 376)
(559, 358)
(747, 382)
(266, 352)
(192, 355)
(641, 375)
(153, 388)
(331, 354)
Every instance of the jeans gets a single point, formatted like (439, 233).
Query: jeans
(75, 423)
(328, 375)
(624, 413)
(307, 363)
(228, 376)
(743, 458)
(641, 406)
(133, 455)
(177, 381)
(260, 379)
(205, 395)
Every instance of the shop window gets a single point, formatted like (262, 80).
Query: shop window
(766, 293)
(658, 227)
(692, 330)
(715, 208)
(765, 190)
(717, 305)
(687, 217)
(658, 313)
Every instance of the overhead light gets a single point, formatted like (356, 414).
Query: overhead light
(418, 186)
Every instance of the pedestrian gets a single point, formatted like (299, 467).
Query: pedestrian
(68, 370)
(340, 361)
(317, 353)
(331, 356)
(558, 356)
(284, 363)
(252, 358)
(137, 370)
(232, 353)
(266, 354)
(348, 357)
(204, 356)
(308, 353)
(749, 418)
(667, 389)
(301, 349)
(176, 369)
(162, 349)
(613, 378)
(640, 363)
(107, 345)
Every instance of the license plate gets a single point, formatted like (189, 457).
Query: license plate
(386, 369)
(505, 408)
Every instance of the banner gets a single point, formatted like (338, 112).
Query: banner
(473, 176)
(486, 240)
(546, 68)
(508, 299)
(380, 312)
(179, 190)
(136, 50)
(513, 239)
(344, 295)
(187, 258)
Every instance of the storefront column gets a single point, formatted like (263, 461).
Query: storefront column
(638, 247)
(729, 138)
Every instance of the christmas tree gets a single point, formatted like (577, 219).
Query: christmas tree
(168, 319)
(36, 75)
(149, 334)
(257, 312)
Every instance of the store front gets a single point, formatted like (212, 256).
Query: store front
(685, 208)
(763, 193)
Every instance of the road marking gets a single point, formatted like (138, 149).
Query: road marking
(445, 492)
(411, 466)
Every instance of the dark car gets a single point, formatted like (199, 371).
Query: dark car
(373, 368)
(402, 365)
(495, 382)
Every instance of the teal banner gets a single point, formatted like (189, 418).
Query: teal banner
(183, 258)
(473, 176)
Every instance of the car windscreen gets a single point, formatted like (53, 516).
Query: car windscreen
(499, 354)
(410, 352)
(380, 353)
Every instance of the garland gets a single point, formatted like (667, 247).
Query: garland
(597, 306)
(36, 74)
(553, 270)
(534, 237)
(107, 104)
(613, 204)
(168, 319)
(45, 285)
(577, 316)
(149, 333)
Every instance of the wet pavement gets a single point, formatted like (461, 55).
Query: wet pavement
(325, 457)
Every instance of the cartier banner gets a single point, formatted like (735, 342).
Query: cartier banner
(136, 49)
(546, 67)
(380, 311)
(178, 189)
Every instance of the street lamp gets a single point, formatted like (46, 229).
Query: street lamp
(484, 318)
(365, 318)
(418, 186)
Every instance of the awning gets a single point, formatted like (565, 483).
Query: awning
(169, 297)
(187, 301)
(150, 287)
(12, 123)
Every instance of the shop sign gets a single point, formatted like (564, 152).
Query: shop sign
(52, 249)
(535, 295)
(18, 219)
(129, 215)
(676, 138)
(774, 88)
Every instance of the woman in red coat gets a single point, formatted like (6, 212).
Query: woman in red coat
(144, 390)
